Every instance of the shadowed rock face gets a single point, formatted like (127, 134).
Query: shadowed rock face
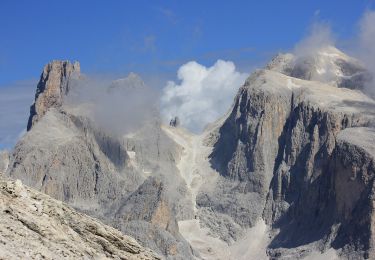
(53, 85)
(283, 158)
(296, 149)
(34, 225)
(353, 165)
(149, 203)
(147, 215)
(72, 159)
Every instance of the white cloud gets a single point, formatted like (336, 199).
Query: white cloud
(366, 44)
(202, 95)
(120, 107)
(319, 36)
(15, 101)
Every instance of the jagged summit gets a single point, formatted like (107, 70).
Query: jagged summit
(298, 133)
(327, 65)
(53, 85)
(132, 82)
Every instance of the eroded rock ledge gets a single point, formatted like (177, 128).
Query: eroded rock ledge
(35, 226)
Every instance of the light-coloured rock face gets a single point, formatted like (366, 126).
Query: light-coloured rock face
(353, 165)
(327, 65)
(4, 161)
(276, 150)
(291, 165)
(96, 173)
(35, 226)
(70, 158)
(131, 82)
(53, 85)
(278, 124)
(147, 212)
(149, 203)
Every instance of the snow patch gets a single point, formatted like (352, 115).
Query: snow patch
(329, 254)
(195, 169)
(131, 154)
(290, 85)
(251, 247)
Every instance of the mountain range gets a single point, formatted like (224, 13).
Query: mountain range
(287, 173)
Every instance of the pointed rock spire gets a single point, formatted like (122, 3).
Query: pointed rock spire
(52, 87)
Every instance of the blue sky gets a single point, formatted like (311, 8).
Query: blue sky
(154, 38)
(151, 38)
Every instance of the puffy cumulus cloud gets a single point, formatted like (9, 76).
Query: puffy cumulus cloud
(202, 95)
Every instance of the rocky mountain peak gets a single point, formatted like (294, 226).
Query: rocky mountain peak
(132, 82)
(295, 135)
(54, 84)
(326, 65)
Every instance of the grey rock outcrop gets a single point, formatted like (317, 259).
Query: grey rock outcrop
(148, 216)
(35, 226)
(295, 151)
(327, 64)
(94, 171)
(275, 151)
(4, 161)
(53, 85)
(353, 165)
(175, 122)
(149, 203)
(129, 83)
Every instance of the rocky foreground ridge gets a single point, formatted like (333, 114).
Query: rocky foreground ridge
(287, 173)
(35, 226)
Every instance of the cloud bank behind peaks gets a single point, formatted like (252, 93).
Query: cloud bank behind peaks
(366, 48)
(320, 36)
(202, 95)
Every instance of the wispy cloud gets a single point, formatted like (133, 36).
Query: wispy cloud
(319, 36)
(366, 45)
(149, 43)
(118, 106)
(168, 14)
(15, 101)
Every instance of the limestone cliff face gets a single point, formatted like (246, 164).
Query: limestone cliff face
(149, 203)
(76, 169)
(100, 175)
(4, 161)
(328, 65)
(53, 85)
(247, 138)
(35, 226)
(353, 167)
(147, 214)
(69, 157)
(282, 157)
(296, 150)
